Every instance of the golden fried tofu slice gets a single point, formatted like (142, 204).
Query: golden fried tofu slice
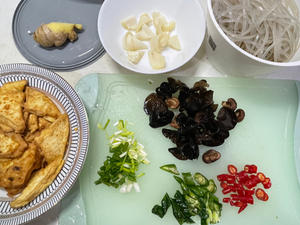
(5, 128)
(17, 86)
(16, 172)
(32, 123)
(53, 140)
(14, 191)
(39, 104)
(11, 145)
(29, 137)
(25, 116)
(38, 183)
(43, 123)
(11, 110)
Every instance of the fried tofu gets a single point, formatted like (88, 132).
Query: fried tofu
(53, 140)
(11, 110)
(11, 102)
(17, 86)
(38, 183)
(32, 123)
(6, 129)
(39, 104)
(43, 123)
(15, 173)
(11, 145)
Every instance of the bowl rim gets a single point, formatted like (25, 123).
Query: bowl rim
(165, 70)
(227, 39)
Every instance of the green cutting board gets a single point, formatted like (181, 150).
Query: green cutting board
(264, 138)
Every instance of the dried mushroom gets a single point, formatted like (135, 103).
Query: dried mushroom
(197, 122)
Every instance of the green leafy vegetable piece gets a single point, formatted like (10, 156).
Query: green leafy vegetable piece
(195, 198)
(171, 168)
(200, 179)
(121, 166)
(188, 179)
(162, 209)
(211, 186)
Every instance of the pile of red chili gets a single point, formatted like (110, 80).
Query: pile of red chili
(242, 186)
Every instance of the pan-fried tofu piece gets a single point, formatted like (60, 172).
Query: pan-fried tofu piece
(15, 173)
(11, 145)
(32, 123)
(43, 123)
(5, 128)
(13, 191)
(53, 140)
(39, 104)
(11, 113)
(29, 137)
(38, 183)
(17, 86)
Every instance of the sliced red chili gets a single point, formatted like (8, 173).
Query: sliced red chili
(261, 177)
(232, 169)
(250, 192)
(242, 207)
(226, 200)
(242, 176)
(250, 168)
(243, 199)
(226, 190)
(250, 184)
(225, 177)
(267, 183)
(237, 203)
(223, 184)
(261, 194)
(254, 178)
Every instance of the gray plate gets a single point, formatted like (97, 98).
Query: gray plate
(30, 14)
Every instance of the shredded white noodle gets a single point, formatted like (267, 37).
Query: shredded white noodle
(268, 29)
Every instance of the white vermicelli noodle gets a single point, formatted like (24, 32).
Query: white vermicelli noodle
(268, 29)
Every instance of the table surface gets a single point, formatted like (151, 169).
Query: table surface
(198, 66)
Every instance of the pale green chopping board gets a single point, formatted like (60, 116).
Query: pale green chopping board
(264, 138)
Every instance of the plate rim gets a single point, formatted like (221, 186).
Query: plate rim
(74, 172)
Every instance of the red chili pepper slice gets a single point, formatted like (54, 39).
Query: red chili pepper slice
(232, 169)
(261, 194)
(253, 169)
(225, 177)
(242, 176)
(250, 168)
(254, 178)
(226, 190)
(250, 192)
(261, 177)
(237, 203)
(267, 183)
(226, 200)
(242, 208)
(223, 184)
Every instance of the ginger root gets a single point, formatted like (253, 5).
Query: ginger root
(56, 33)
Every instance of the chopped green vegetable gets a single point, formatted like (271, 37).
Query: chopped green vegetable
(126, 154)
(200, 179)
(171, 168)
(197, 198)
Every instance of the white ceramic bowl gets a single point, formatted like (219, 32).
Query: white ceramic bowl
(190, 27)
(228, 58)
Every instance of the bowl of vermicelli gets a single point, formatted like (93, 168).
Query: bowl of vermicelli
(251, 37)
